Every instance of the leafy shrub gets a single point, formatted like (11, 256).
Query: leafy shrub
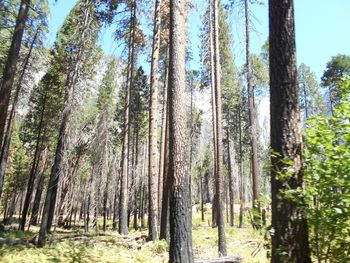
(327, 175)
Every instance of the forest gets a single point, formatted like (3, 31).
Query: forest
(150, 154)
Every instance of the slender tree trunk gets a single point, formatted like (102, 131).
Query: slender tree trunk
(202, 197)
(213, 103)
(20, 206)
(163, 144)
(115, 201)
(179, 201)
(290, 239)
(4, 220)
(252, 115)
(132, 188)
(153, 113)
(137, 136)
(191, 141)
(164, 222)
(143, 188)
(105, 200)
(240, 168)
(231, 180)
(123, 203)
(219, 146)
(11, 65)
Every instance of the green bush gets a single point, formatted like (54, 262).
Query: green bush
(327, 175)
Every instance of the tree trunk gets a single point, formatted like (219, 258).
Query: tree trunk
(11, 65)
(123, 200)
(137, 137)
(164, 221)
(115, 201)
(231, 181)
(240, 168)
(153, 113)
(202, 197)
(290, 238)
(163, 144)
(179, 201)
(213, 103)
(219, 146)
(252, 116)
(105, 199)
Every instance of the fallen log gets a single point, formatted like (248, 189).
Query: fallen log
(220, 260)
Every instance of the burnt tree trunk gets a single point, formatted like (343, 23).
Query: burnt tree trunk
(179, 201)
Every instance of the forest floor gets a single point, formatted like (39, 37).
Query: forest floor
(75, 246)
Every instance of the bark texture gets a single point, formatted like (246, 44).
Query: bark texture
(163, 142)
(179, 201)
(290, 237)
(153, 113)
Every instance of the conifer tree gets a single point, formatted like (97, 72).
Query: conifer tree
(76, 50)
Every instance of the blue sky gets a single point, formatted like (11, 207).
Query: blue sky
(321, 30)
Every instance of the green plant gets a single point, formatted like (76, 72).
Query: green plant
(327, 176)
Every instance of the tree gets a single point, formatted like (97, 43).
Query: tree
(311, 99)
(11, 64)
(219, 134)
(252, 114)
(290, 232)
(123, 205)
(337, 68)
(103, 130)
(231, 90)
(179, 201)
(153, 112)
(76, 51)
